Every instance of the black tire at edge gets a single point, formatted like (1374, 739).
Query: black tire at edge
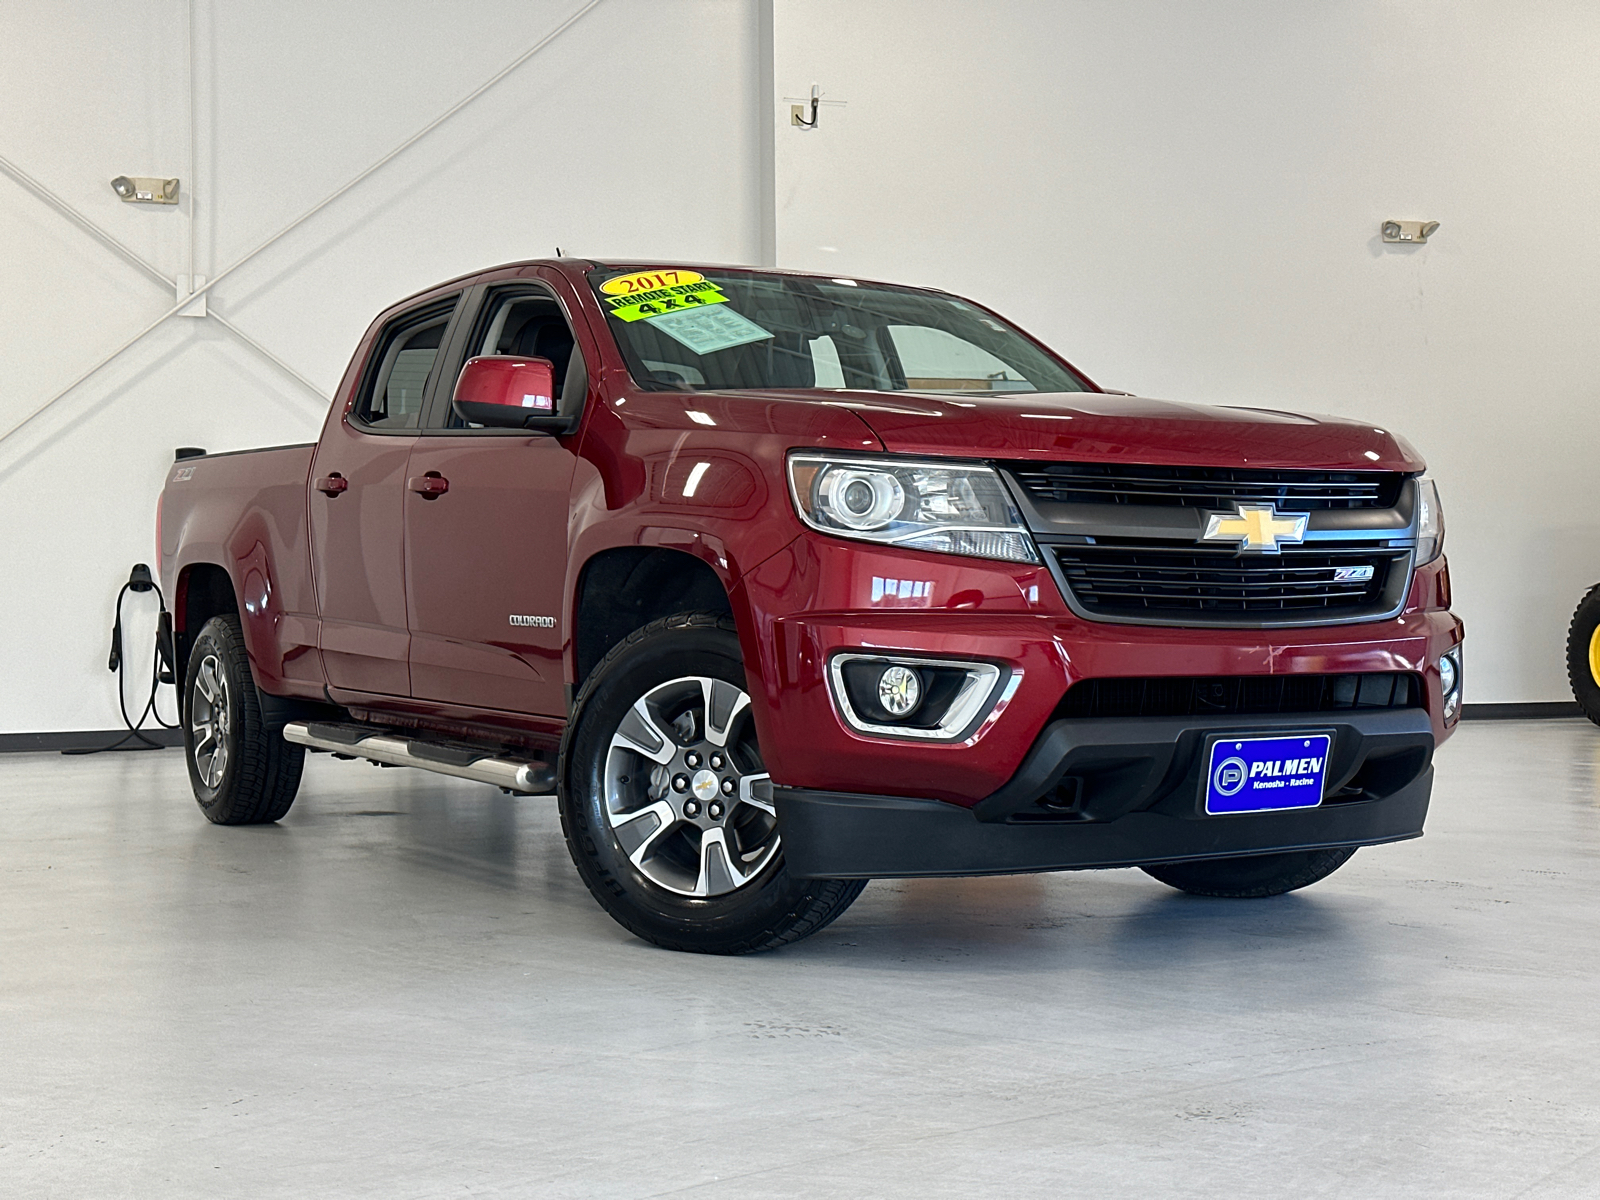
(1253, 877)
(778, 910)
(1584, 620)
(261, 778)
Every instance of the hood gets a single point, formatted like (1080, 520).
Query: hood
(1099, 427)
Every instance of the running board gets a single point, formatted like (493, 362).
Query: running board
(386, 747)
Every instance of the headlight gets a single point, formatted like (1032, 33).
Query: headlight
(914, 505)
(1430, 522)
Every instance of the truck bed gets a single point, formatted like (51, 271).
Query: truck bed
(246, 510)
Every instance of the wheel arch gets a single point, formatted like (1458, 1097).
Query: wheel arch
(624, 588)
(204, 590)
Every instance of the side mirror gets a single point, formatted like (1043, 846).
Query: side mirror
(508, 392)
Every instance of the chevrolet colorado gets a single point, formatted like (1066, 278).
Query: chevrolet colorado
(781, 583)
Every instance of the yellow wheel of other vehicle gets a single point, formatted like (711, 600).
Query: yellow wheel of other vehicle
(1583, 655)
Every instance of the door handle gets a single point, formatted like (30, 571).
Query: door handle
(333, 485)
(430, 486)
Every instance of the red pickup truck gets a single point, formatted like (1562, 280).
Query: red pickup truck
(781, 583)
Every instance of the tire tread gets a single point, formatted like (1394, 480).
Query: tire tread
(266, 775)
(1585, 690)
(1234, 879)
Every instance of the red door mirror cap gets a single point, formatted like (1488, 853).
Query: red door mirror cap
(513, 380)
(507, 391)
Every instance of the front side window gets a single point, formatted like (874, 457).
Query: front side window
(683, 330)
(393, 394)
(528, 325)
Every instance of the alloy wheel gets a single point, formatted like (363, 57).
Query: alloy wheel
(687, 796)
(209, 721)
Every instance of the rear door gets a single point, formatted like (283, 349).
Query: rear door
(486, 543)
(357, 507)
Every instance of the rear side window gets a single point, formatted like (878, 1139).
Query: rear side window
(397, 383)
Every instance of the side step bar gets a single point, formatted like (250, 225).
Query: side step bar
(388, 747)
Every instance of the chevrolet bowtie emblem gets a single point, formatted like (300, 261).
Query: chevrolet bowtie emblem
(1256, 527)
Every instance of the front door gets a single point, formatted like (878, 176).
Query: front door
(486, 541)
(357, 505)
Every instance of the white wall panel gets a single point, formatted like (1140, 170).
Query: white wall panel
(1185, 200)
(630, 134)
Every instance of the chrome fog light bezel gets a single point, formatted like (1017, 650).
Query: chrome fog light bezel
(986, 685)
(1450, 698)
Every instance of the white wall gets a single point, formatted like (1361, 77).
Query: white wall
(1185, 199)
(632, 133)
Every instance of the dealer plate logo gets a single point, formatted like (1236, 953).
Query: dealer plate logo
(1229, 778)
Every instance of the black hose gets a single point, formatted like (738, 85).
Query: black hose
(162, 668)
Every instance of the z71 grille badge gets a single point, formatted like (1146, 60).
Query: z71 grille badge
(1353, 574)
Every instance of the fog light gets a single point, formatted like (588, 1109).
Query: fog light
(1447, 675)
(899, 691)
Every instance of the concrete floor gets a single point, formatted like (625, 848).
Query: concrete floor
(404, 991)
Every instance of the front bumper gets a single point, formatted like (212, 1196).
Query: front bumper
(823, 597)
(1135, 793)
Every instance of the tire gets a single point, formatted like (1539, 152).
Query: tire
(1252, 877)
(1583, 654)
(663, 803)
(241, 769)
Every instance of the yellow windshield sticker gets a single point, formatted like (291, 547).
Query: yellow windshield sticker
(649, 281)
(656, 302)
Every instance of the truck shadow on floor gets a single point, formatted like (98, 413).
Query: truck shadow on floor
(1115, 923)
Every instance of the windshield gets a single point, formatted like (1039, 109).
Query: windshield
(682, 330)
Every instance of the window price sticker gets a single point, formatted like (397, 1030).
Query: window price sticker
(707, 330)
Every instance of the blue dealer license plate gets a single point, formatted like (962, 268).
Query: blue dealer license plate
(1260, 774)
